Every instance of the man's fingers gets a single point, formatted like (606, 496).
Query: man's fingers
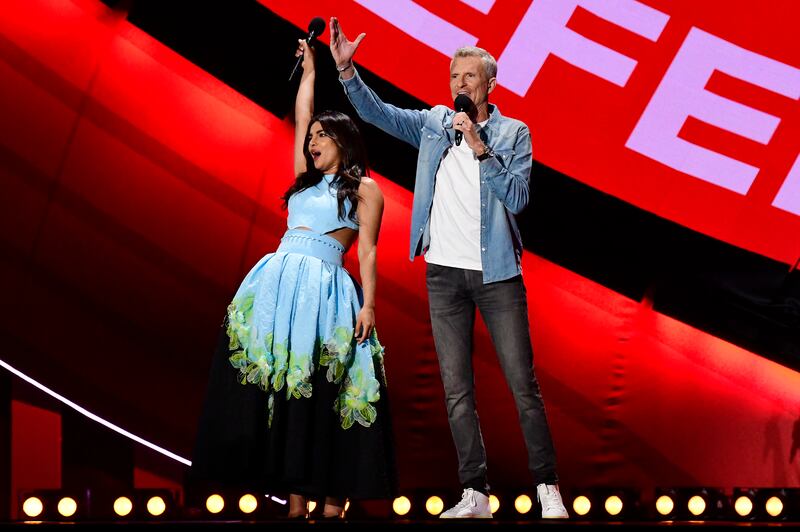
(359, 39)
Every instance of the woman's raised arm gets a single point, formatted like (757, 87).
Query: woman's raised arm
(303, 106)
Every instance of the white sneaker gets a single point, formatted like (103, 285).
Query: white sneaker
(552, 505)
(473, 505)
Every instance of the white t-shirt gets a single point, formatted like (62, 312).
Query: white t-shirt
(456, 211)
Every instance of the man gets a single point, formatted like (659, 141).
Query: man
(465, 197)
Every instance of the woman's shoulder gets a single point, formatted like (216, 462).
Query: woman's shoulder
(368, 186)
(369, 191)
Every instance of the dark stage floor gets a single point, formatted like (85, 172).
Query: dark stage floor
(437, 525)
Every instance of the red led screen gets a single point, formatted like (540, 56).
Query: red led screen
(679, 107)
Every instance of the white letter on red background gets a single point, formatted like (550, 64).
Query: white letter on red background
(543, 31)
(421, 24)
(788, 197)
(484, 6)
(682, 94)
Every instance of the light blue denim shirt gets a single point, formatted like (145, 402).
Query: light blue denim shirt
(505, 187)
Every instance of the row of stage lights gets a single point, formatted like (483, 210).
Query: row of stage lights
(689, 504)
(60, 505)
(669, 504)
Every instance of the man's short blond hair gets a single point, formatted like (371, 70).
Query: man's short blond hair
(489, 63)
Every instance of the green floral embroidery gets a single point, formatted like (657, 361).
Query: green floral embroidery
(335, 353)
(353, 404)
(360, 389)
(297, 381)
(253, 362)
(270, 365)
(281, 355)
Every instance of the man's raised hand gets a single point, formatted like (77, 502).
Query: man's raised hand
(342, 50)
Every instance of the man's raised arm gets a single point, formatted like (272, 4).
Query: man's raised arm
(405, 124)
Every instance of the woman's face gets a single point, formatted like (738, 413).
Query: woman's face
(323, 150)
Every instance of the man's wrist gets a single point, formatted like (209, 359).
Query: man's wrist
(346, 71)
(487, 152)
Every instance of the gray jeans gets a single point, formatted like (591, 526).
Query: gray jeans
(453, 294)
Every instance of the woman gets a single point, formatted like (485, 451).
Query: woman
(306, 413)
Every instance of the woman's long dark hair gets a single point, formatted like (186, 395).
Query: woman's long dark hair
(344, 133)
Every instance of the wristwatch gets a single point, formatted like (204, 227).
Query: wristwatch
(485, 155)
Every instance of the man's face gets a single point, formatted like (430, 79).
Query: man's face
(468, 76)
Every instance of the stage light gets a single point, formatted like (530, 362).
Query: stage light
(774, 506)
(605, 503)
(67, 507)
(665, 505)
(613, 505)
(123, 506)
(696, 505)
(248, 503)
(32, 507)
(434, 505)
(53, 505)
(708, 503)
(769, 504)
(232, 504)
(743, 506)
(523, 504)
(494, 504)
(215, 503)
(582, 505)
(743, 503)
(401, 505)
(156, 506)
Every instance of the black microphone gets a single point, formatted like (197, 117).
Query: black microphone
(315, 28)
(463, 105)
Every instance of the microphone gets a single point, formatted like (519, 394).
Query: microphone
(462, 104)
(315, 28)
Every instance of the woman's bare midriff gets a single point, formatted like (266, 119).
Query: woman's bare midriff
(345, 235)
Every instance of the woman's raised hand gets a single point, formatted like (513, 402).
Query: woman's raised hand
(307, 51)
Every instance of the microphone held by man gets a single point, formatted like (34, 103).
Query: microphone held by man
(462, 104)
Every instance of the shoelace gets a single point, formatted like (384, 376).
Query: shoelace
(467, 499)
(548, 499)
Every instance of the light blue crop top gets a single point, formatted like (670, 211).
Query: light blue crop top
(318, 209)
